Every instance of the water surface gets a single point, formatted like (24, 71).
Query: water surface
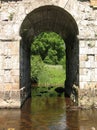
(47, 113)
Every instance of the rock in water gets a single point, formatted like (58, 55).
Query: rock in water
(59, 89)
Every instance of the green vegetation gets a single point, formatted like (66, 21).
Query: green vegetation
(50, 46)
(48, 63)
(52, 75)
(49, 78)
(11, 16)
(44, 91)
(37, 66)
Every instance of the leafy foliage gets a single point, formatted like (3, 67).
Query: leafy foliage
(63, 62)
(49, 46)
(36, 67)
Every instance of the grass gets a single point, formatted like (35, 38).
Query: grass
(52, 75)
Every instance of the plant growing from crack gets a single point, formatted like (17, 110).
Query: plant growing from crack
(11, 16)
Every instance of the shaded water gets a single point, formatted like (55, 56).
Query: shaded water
(47, 114)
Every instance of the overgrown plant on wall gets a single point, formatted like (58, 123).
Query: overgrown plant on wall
(11, 16)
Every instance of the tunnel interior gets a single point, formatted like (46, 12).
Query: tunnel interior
(50, 19)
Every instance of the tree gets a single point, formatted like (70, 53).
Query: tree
(63, 62)
(36, 67)
(50, 46)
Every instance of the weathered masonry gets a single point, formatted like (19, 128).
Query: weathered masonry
(21, 20)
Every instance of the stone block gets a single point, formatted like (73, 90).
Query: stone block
(92, 64)
(96, 57)
(15, 79)
(6, 95)
(95, 64)
(95, 77)
(83, 57)
(1, 72)
(81, 78)
(7, 86)
(95, 51)
(15, 72)
(1, 94)
(15, 62)
(90, 44)
(7, 63)
(1, 48)
(1, 62)
(89, 85)
(82, 44)
(7, 51)
(83, 51)
(82, 64)
(4, 15)
(86, 86)
(93, 3)
(92, 75)
(16, 28)
(7, 76)
(83, 71)
(95, 71)
(15, 95)
(92, 85)
(96, 84)
(8, 30)
(1, 79)
(84, 78)
(14, 47)
(91, 50)
(92, 78)
(15, 86)
(87, 64)
(87, 50)
(96, 43)
(91, 58)
(82, 84)
(1, 87)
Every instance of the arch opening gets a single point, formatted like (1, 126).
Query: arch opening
(50, 19)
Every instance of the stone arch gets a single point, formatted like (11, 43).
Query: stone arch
(56, 19)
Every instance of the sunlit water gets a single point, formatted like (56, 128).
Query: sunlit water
(48, 113)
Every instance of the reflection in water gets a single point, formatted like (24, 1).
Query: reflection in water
(10, 119)
(47, 114)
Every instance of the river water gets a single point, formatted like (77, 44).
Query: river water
(47, 113)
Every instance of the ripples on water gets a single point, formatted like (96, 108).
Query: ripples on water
(47, 114)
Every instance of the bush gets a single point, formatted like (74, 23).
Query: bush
(63, 62)
(36, 67)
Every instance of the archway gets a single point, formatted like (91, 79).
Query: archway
(56, 19)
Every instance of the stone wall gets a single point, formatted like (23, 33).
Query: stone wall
(88, 63)
(88, 73)
(13, 90)
(9, 73)
(87, 55)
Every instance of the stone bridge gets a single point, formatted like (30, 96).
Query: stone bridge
(21, 20)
